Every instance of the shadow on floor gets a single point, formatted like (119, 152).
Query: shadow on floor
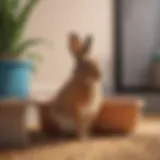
(39, 139)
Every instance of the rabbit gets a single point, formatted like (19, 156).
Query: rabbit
(77, 104)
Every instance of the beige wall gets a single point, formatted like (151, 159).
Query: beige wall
(52, 20)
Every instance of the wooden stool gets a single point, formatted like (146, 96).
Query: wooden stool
(13, 129)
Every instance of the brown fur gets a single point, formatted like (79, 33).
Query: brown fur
(79, 92)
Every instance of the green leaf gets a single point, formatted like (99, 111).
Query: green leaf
(5, 25)
(15, 7)
(22, 19)
(34, 69)
(13, 20)
(23, 46)
(15, 4)
(34, 56)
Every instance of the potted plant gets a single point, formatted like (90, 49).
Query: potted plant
(15, 68)
(16, 65)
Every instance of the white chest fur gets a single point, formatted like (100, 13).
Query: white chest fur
(94, 105)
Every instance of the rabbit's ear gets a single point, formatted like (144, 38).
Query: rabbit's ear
(75, 44)
(87, 45)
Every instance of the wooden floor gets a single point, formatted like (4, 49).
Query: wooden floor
(142, 145)
(150, 124)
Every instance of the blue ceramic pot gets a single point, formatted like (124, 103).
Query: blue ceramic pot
(15, 78)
